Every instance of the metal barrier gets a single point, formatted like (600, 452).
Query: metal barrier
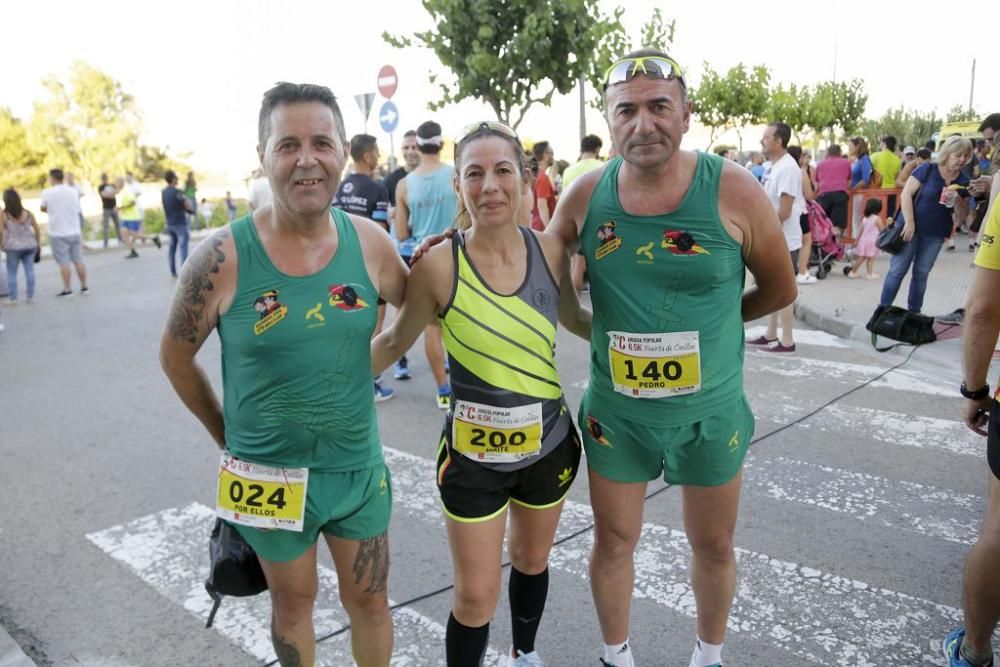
(856, 206)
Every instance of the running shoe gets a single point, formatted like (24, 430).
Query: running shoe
(65, 293)
(957, 316)
(952, 647)
(780, 348)
(157, 243)
(761, 340)
(132, 255)
(524, 659)
(805, 279)
(402, 372)
(383, 393)
(444, 401)
(84, 290)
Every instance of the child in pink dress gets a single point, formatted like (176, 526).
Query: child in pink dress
(865, 250)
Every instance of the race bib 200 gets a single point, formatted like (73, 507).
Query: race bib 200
(496, 435)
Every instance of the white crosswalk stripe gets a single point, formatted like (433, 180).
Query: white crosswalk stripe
(169, 551)
(903, 505)
(813, 614)
(775, 599)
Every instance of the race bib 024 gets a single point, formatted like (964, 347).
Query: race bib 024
(655, 365)
(496, 435)
(260, 496)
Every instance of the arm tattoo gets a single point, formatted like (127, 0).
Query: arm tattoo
(186, 312)
(373, 560)
(288, 655)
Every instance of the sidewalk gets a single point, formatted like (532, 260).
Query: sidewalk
(842, 306)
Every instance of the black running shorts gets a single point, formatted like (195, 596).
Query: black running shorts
(472, 493)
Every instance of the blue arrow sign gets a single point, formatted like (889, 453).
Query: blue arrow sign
(388, 116)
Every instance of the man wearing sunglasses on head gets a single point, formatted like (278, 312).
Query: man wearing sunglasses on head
(667, 235)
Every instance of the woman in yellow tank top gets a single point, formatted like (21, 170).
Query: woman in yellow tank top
(509, 445)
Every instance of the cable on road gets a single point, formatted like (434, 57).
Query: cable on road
(653, 494)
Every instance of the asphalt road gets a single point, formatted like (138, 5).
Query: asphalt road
(854, 526)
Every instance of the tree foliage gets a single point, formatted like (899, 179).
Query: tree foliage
(88, 125)
(20, 165)
(736, 100)
(511, 55)
(911, 128)
(959, 113)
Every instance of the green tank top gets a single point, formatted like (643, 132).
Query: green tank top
(501, 348)
(679, 274)
(296, 359)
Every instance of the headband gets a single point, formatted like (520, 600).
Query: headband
(437, 140)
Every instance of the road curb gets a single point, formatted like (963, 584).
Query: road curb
(11, 654)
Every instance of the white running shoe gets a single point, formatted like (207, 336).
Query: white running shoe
(524, 659)
(805, 279)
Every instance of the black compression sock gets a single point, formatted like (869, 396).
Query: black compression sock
(527, 594)
(465, 646)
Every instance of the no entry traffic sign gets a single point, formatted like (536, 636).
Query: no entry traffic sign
(387, 81)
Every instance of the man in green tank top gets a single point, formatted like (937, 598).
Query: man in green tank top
(292, 290)
(667, 235)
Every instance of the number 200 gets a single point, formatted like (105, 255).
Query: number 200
(497, 438)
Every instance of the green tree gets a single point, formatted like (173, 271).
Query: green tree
(838, 104)
(708, 101)
(790, 105)
(90, 125)
(736, 100)
(20, 166)
(958, 113)
(911, 128)
(511, 55)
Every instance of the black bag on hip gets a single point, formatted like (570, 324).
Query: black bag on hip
(902, 325)
(234, 568)
(890, 239)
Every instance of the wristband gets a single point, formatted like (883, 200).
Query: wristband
(977, 395)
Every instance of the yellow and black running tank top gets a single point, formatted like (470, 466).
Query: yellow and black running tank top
(501, 348)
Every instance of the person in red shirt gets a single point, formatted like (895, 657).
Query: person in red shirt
(833, 175)
(545, 192)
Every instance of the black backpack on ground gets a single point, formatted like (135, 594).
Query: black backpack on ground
(902, 325)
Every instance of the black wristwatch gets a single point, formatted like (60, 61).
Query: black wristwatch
(977, 395)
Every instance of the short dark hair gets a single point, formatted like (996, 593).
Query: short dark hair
(538, 150)
(930, 145)
(783, 132)
(409, 133)
(361, 144)
(873, 205)
(890, 142)
(294, 93)
(591, 144)
(427, 132)
(170, 176)
(924, 154)
(795, 152)
(992, 121)
(12, 203)
(833, 150)
(56, 174)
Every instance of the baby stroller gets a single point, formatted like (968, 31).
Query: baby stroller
(826, 249)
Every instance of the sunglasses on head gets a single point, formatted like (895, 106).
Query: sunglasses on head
(656, 67)
(488, 126)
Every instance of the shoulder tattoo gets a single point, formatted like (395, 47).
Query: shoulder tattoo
(188, 307)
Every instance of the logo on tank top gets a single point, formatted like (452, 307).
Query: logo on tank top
(269, 310)
(597, 432)
(346, 297)
(681, 243)
(608, 239)
(541, 298)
